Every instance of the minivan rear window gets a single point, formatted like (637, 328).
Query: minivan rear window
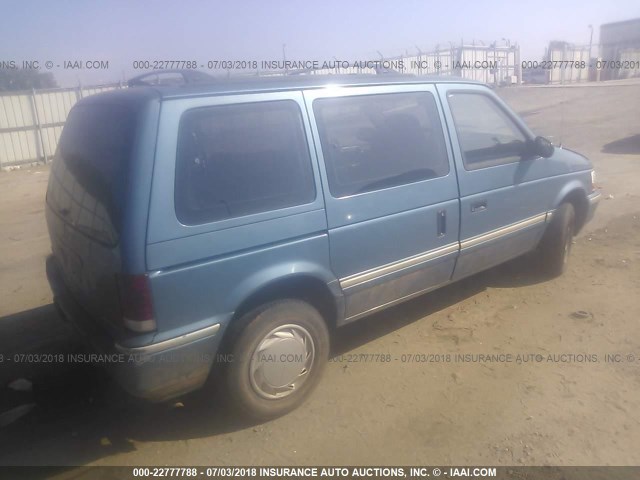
(241, 159)
(88, 176)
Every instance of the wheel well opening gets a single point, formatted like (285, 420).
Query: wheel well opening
(580, 205)
(308, 289)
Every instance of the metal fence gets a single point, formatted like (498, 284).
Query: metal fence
(492, 64)
(31, 122)
(620, 48)
(573, 62)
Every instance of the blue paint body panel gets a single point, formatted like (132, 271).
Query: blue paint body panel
(510, 193)
(364, 251)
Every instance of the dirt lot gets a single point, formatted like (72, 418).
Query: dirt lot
(558, 401)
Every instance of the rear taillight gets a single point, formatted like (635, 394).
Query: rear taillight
(137, 303)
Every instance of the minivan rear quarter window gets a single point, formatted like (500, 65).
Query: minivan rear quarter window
(241, 159)
(371, 142)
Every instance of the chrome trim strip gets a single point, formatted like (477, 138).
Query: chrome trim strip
(393, 302)
(367, 275)
(171, 343)
(595, 198)
(550, 215)
(374, 273)
(514, 227)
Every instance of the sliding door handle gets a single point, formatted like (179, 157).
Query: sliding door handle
(479, 206)
(442, 223)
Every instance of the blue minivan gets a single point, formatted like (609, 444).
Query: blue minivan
(230, 227)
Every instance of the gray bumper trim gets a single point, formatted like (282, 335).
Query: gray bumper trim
(171, 343)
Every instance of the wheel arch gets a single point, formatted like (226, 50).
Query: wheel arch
(306, 287)
(575, 194)
(310, 283)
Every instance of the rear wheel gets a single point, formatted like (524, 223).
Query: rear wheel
(555, 246)
(279, 353)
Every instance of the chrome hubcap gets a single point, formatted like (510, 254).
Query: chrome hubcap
(282, 361)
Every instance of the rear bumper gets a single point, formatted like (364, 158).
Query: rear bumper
(155, 371)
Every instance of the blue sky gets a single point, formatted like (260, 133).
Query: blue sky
(123, 31)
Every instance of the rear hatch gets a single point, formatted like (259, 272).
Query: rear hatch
(86, 198)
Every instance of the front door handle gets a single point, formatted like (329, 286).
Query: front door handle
(479, 206)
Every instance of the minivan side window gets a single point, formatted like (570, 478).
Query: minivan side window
(487, 136)
(371, 142)
(241, 159)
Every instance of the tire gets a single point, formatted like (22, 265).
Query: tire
(555, 246)
(279, 353)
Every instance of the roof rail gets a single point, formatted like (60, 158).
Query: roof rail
(154, 78)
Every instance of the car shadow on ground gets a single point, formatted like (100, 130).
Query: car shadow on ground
(80, 415)
(624, 146)
(519, 272)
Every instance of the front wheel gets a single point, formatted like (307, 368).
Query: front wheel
(555, 246)
(279, 353)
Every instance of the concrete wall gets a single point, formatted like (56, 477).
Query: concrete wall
(620, 41)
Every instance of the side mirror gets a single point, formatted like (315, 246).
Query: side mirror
(542, 147)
